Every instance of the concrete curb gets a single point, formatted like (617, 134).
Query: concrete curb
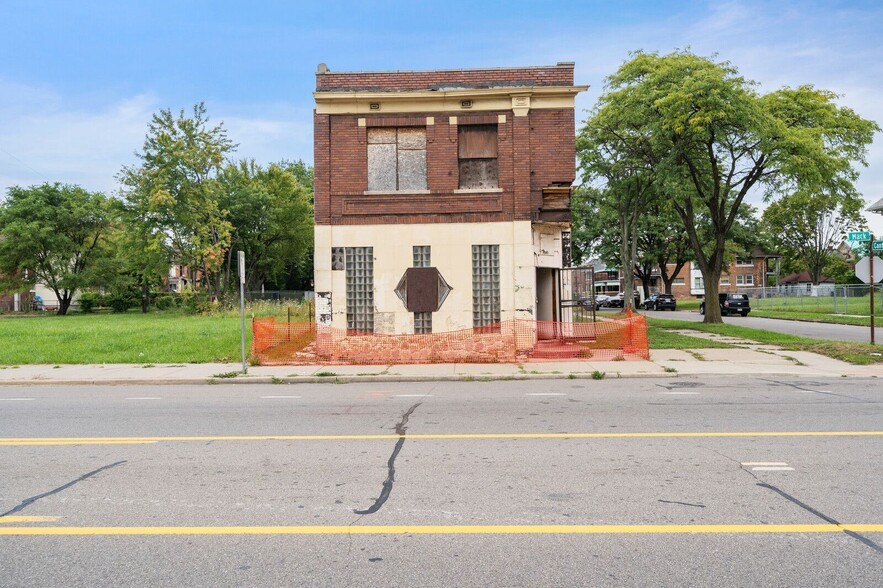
(345, 379)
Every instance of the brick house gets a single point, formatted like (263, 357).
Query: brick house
(442, 198)
(744, 272)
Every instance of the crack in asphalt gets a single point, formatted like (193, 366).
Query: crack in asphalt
(857, 536)
(822, 516)
(29, 501)
(682, 503)
(804, 389)
(401, 428)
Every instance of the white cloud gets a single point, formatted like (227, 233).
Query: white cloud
(43, 140)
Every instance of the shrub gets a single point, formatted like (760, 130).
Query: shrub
(196, 303)
(119, 302)
(165, 301)
(88, 301)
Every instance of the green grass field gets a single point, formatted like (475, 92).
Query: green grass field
(174, 337)
(666, 339)
(857, 353)
(156, 337)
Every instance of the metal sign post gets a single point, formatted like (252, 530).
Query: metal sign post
(242, 305)
(873, 284)
(866, 236)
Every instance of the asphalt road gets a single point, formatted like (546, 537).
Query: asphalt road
(556, 483)
(800, 328)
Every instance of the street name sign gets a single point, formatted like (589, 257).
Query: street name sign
(860, 236)
(877, 246)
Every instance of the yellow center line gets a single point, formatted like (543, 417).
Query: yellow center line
(450, 530)
(141, 440)
(23, 519)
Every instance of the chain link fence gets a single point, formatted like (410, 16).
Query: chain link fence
(846, 299)
(280, 295)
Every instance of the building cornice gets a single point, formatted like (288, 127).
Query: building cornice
(483, 99)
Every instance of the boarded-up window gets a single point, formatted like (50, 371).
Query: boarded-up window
(396, 159)
(478, 156)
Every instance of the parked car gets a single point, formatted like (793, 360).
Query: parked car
(587, 302)
(731, 304)
(602, 300)
(618, 300)
(660, 302)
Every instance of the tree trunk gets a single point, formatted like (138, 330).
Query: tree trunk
(145, 302)
(64, 302)
(711, 274)
(626, 260)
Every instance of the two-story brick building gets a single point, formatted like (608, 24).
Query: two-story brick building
(748, 271)
(442, 198)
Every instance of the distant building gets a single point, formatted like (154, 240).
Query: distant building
(743, 272)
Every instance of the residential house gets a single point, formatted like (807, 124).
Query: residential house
(749, 271)
(442, 198)
(801, 283)
(608, 280)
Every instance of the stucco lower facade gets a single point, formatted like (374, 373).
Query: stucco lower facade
(527, 252)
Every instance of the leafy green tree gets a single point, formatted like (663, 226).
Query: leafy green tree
(174, 193)
(840, 270)
(811, 225)
(271, 214)
(623, 183)
(712, 140)
(53, 234)
(135, 262)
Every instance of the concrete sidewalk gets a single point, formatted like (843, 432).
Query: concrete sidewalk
(747, 358)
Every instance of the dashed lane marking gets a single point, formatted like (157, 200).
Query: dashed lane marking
(279, 397)
(772, 469)
(767, 466)
(144, 398)
(545, 394)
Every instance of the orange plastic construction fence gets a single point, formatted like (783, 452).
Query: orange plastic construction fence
(283, 343)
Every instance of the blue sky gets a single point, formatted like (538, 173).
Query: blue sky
(79, 80)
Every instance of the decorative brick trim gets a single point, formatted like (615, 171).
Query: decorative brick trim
(395, 121)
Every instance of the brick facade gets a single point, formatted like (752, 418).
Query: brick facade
(493, 241)
(757, 270)
(534, 151)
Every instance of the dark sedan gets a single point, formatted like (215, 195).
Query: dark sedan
(660, 302)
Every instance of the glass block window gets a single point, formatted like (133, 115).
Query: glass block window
(422, 320)
(360, 289)
(485, 285)
(421, 256)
